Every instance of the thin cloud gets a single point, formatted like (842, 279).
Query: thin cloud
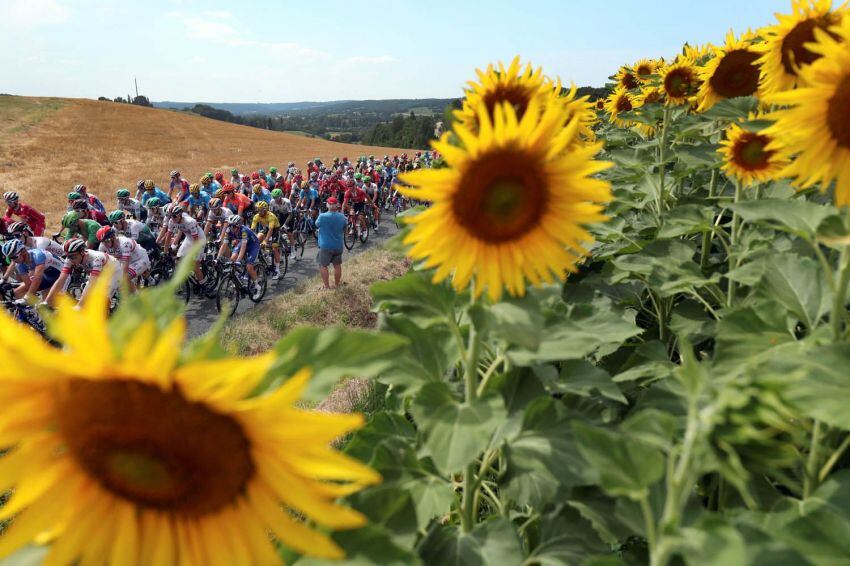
(35, 13)
(370, 60)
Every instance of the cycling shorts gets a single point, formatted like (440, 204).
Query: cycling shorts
(135, 268)
(359, 207)
(48, 278)
(250, 254)
(188, 243)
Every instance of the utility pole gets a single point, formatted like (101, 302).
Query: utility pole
(136, 82)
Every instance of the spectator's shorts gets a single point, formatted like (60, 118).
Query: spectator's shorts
(326, 257)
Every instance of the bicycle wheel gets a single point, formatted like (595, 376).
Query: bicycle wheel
(184, 291)
(350, 235)
(228, 295)
(364, 233)
(300, 240)
(284, 264)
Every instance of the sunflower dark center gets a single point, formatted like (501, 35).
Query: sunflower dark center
(502, 196)
(624, 104)
(600, 104)
(794, 52)
(643, 70)
(679, 82)
(653, 96)
(736, 75)
(838, 113)
(514, 94)
(629, 81)
(749, 152)
(153, 448)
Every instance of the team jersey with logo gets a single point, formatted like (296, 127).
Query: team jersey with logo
(38, 257)
(125, 249)
(186, 225)
(93, 262)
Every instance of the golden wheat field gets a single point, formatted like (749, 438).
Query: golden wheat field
(48, 145)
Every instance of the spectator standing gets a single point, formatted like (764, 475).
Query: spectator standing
(331, 227)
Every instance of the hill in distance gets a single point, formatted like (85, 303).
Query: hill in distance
(48, 145)
(388, 106)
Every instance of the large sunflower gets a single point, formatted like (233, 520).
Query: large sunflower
(751, 157)
(680, 81)
(137, 457)
(512, 204)
(816, 127)
(618, 102)
(644, 69)
(731, 73)
(785, 50)
(514, 84)
(627, 78)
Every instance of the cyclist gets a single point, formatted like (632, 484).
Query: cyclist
(282, 208)
(261, 173)
(198, 202)
(236, 202)
(267, 226)
(218, 178)
(216, 217)
(133, 228)
(37, 269)
(154, 219)
(260, 194)
(132, 256)
(309, 199)
(235, 180)
(179, 184)
(93, 263)
(93, 201)
(82, 208)
(24, 233)
(33, 218)
(372, 192)
(130, 205)
(182, 226)
(358, 199)
(76, 226)
(208, 186)
(72, 198)
(274, 176)
(241, 243)
(152, 191)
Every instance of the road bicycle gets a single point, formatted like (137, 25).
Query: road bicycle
(235, 284)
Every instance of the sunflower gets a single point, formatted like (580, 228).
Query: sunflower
(816, 127)
(751, 157)
(786, 50)
(516, 85)
(730, 73)
(627, 78)
(619, 101)
(600, 104)
(647, 95)
(644, 69)
(138, 457)
(695, 54)
(680, 81)
(512, 204)
(581, 110)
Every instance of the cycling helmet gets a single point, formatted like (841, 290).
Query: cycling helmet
(80, 188)
(236, 220)
(227, 188)
(215, 202)
(105, 233)
(262, 206)
(149, 185)
(261, 172)
(11, 248)
(219, 176)
(80, 205)
(277, 193)
(18, 227)
(272, 170)
(116, 216)
(120, 193)
(195, 189)
(10, 196)
(74, 196)
(73, 246)
(175, 211)
(204, 180)
(175, 173)
(313, 175)
(357, 176)
(317, 161)
(258, 188)
(219, 194)
(246, 178)
(70, 219)
(153, 202)
(304, 184)
(255, 175)
(140, 184)
(208, 174)
(379, 168)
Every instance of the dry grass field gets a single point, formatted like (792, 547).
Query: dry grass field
(48, 145)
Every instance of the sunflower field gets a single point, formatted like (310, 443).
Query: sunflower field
(625, 340)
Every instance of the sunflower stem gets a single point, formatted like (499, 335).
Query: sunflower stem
(810, 481)
(837, 316)
(662, 165)
(733, 240)
(707, 237)
(470, 485)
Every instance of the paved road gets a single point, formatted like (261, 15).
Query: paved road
(201, 313)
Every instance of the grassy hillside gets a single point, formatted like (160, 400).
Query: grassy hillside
(49, 145)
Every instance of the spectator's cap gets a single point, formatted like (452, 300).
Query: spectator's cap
(332, 201)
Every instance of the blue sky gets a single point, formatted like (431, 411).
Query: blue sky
(286, 51)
